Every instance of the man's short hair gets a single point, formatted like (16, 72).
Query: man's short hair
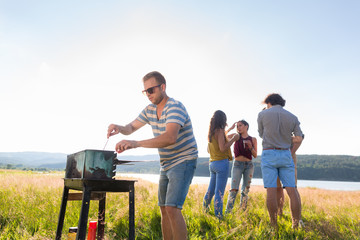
(158, 76)
(275, 99)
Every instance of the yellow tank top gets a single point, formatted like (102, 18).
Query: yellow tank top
(215, 153)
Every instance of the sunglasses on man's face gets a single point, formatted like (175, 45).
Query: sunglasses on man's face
(150, 90)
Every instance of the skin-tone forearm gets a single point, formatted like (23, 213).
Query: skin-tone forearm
(225, 145)
(168, 138)
(115, 129)
(296, 142)
(232, 140)
(230, 128)
(252, 146)
(254, 152)
(128, 129)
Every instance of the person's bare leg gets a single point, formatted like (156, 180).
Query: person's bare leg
(165, 224)
(300, 217)
(297, 192)
(280, 197)
(295, 205)
(272, 205)
(177, 222)
(295, 163)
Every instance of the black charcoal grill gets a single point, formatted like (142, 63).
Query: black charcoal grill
(92, 164)
(93, 173)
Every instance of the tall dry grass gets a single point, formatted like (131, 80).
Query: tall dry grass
(30, 203)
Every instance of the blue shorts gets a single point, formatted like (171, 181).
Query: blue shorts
(174, 184)
(277, 163)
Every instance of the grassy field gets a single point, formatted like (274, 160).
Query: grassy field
(30, 204)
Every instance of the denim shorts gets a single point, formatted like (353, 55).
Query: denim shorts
(277, 163)
(174, 184)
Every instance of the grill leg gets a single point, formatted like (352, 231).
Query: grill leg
(84, 214)
(131, 212)
(101, 218)
(62, 213)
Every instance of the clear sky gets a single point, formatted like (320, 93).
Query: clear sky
(70, 68)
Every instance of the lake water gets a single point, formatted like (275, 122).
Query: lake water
(329, 185)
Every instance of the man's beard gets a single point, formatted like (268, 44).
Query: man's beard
(157, 101)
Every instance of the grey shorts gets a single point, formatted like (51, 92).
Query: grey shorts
(174, 184)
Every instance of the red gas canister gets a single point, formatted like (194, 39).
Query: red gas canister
(92, 230)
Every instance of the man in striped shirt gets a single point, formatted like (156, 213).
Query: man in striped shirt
(174, 138)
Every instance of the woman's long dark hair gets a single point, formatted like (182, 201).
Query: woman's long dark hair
(217, 121)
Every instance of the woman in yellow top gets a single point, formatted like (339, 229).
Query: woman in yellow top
(220, 154)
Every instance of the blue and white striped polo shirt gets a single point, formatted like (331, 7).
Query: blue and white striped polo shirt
(185, 147)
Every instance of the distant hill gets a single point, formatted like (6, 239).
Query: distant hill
(32, 159)
(310, 167)
(51, 160)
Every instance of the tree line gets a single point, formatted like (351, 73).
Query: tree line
(310, 167)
